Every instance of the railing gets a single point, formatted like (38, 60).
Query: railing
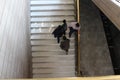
(78, 38)
(76, 78)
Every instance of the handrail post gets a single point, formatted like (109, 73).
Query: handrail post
(78, 38)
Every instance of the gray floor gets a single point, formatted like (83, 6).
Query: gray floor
(95, 57)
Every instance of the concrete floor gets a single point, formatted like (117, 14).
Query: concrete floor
(95, 57)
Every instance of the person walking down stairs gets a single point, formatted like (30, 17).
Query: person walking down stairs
(65, 44)
(60, 31)
(73, 27)
(64, 25)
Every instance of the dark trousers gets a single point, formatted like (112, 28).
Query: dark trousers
(58, 39)
(64, 32)
(66, 52)
(71, 31)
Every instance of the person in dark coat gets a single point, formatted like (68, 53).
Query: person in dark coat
(64, 25)
(58, 32)
(65, 44)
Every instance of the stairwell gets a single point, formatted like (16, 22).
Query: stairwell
(48, 60)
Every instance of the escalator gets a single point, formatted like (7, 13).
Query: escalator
(48, 60)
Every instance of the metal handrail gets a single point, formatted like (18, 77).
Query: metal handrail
(78, 38)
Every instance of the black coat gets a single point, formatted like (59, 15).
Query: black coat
(58, 32)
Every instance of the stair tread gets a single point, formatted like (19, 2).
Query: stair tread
(53, 7)
(38, 54)
(46, 24)
(51, 50)
(54, 75)
(43, 38)
(57, 70)
(52, 19)
(45, 31)
(52, 13)
(34, 65)
(49, 47)
(55, 57)
(54, 44)
(50, 42)
(51, 2)
(45, 60)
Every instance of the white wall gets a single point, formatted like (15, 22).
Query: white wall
(14, 39)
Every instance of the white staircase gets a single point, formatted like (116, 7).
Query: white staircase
(48, 60)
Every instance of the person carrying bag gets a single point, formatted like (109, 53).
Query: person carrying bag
(65, 44)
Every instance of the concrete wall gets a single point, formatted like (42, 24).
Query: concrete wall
(14, 39)
(95, 57)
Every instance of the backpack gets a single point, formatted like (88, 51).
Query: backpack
(65, 44)
(62, 45)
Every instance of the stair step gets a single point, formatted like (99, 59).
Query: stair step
(49, 34)
(39, 54)
(46, 30)
(52, 19)
(52, 7)
(46, 24)
(49, 44)
(43, 30)
(51, 2)
(53, 58)
(59, 50)
(48, 47)
(55, 75)
(57, 57)
(55, 70)
(53, 13)
(45, 60)
(45, 42)
(37, 65)
(44, 37)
